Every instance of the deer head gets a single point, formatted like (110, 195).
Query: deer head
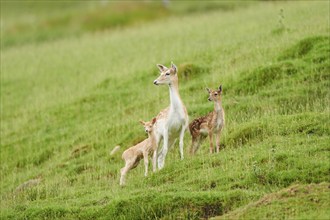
(167, 75)
(215, 95)
(148, 126)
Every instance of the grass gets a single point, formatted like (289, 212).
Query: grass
(66, 102)
(294, 202)
(34, 21)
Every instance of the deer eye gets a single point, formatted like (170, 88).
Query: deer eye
(215, 94)
(167, 74)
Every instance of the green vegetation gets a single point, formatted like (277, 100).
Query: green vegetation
(295, 202)
(34, 22)
(68, 99)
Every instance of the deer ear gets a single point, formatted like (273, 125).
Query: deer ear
(142, 122)
(220, 88)
(161, 67)
(208, 90)
(173, 66)
(154, 120)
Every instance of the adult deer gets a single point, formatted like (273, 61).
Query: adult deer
(172, 121)
(210, 124)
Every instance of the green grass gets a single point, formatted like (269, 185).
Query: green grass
(295, 202)
(66, 102)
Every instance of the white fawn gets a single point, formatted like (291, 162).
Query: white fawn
(210, 124)
(133, 155)
(172, 121)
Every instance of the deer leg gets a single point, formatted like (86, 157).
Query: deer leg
(211, 142)
(195, 144)
(146, 163)
(181, 142)
(193, 141)
(154, 161)
(218, 141)
(157, 153)
(161, 157)
(123, 172)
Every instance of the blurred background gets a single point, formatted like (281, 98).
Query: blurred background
(24, 22)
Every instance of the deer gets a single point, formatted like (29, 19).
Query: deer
(212, 123)
(172, 121)
(133, 155)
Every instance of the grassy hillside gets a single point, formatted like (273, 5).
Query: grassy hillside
(295, 202)
(66, 102)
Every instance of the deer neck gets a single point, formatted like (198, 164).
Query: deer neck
(152, 139)
(217, 107)
(175, 98)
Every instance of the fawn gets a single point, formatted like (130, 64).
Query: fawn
(172, 121)
(210, 124)
(133, 155)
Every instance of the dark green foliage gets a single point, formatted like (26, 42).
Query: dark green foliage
(189, 71)
(307, 58)
(306, 124)
(196, 205)
(284, 204)
(253, 82)
(307, 48)
(46, 213)
(44, 156)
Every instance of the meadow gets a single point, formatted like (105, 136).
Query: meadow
(71, 90)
